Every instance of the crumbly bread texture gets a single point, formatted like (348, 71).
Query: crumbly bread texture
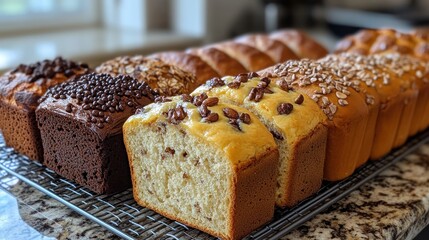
(81, 128)
(251, 58)
(218, 60)
(277, 50)
(20, 90)
(380, 41)
(189, 63)
(303, 45)
(296, 122)
(168, 80)
(347, 112)
(192, 163)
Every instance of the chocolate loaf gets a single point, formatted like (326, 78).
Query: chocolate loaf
(20, 89)
(81, 128)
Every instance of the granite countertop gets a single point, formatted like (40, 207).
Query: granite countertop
(394, 205)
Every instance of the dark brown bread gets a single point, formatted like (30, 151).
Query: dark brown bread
(81, 128)
(20, 90)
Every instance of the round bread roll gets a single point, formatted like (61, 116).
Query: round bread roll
(347, 112)
(167, 79)
(218, 60)
(277, 50)
(189, 63)
(251, 58)
(302, 44)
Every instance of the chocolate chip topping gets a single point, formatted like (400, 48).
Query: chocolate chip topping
(212, 117)
(235, 123)
(187, 98)
(300, 99)
(49, 69)
(234, 84)
(100, 94)
(215, 82)
(245, 118)
(198, 100)
(230, 113)
(210, 102)
(204, 111)
(252, 75)
(161, 99)
(242, 78)
(284, 108)
(176, 115)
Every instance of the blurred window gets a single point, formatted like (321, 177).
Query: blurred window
(16, 15)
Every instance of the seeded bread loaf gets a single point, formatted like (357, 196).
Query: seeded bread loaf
(371, 41)
(251, 58)
(81, 128)
(347, 112)
(296, 123)
(20, 89)
(277, 50)
(218, 60)
(167, 79)
(189, 63)
(210, 172)
(303, 45)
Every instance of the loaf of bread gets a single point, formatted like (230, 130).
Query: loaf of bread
(81, 128)
(193, 162)
(296, 123)
(277, 50)
(302, 44)
(251, 58)
(167, 79)
(218, 60)
(189, 63)
(371, 41)
(346, 110)
(20, 89)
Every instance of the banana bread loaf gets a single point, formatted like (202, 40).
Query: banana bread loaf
(81, 128)
(201, 167)
(20, 89)
(296, 123)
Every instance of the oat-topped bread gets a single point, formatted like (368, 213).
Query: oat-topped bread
(168, 80)
(81, 127)
(218, 60)
(193, 163)
(303, 45)
(346, 110)
(189, 63)
(296, 123)
(395, 79)
(380, 41)
(251, 58)
(277, 50)
(20, 89)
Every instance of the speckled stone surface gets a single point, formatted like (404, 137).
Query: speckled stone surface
(394, 205)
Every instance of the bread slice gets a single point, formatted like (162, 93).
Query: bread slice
(213, 173)
(300, 134)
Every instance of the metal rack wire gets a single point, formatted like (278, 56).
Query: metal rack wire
(120, 214)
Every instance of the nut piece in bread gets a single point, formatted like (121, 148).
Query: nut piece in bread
(296, 122)
(81, 128)
(277, 50)
(303, 45)
(20, 90)
(189, 63)
(192, 163)
(167, 79)
(251, 58)
(218, 60)
(347, 112)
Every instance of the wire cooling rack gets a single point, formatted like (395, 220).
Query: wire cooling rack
(120, 214)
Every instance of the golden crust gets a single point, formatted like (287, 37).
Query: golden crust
(189, 63)
(277, 50)
(251, 58)
(303, 45)
(218, 60)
